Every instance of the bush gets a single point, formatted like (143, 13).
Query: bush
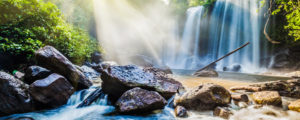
(27, 25)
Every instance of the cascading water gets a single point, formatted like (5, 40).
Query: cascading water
(230, 24)
(129, 33)
(188, 51)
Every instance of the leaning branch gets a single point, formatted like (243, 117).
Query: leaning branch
(224, 56)
(266, 25)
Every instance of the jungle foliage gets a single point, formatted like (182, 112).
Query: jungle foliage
(27, 25)
(291, 10)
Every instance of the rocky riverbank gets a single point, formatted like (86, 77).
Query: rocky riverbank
(137, 90)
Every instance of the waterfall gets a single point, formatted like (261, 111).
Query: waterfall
(133, 33)
(230, 24)
(188, 51)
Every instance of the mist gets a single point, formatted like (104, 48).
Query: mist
(128, 29)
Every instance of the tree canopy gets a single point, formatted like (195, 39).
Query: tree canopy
(27, 25)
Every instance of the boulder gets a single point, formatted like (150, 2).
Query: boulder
(180, 111)
(123, 78)
(204, 97)
(222, 112)
(14, 97)
(103, 65)
(89, 72)
(34, 73)
(233, 68)
(267, 98)
(288, 88)
(295, 105)
(165, 70)
(206, 73)
(52, 91)
(53, 60)
(96, 57)
(139, 100)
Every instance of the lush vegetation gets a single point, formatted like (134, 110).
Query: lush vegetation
(285, 21)
(27, 25)
(291, 10)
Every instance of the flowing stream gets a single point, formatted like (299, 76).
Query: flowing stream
(101, 109)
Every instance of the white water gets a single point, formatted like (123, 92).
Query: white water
(187, 56)
(129, 32)
(231, 24)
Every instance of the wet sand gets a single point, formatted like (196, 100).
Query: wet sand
(191, 82)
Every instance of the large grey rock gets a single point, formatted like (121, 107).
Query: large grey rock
(34, 73)
(118, 79)
(103, 65)
(138, 100)
(164, 69)
(53, 60)
(52, 91)
(14, 97)
(204, 97)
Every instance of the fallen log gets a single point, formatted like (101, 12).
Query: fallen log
(223, 57)
(91, 98)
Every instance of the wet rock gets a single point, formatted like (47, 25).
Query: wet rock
(233, 68)
(96, 57)
(206, 73)
(118, 79)
(89, 72)
(19, 75)
(222, 112)
(139, 100)
(165, 70)
(14, 97)
(288, 88)
(240, 97)
(103, 65)
(53, 60)
(91, 98)
(280, 61)
(34, 73)
(52, 91)
(295, 105)
(267, 98)
(204, 97)
(180, 111)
